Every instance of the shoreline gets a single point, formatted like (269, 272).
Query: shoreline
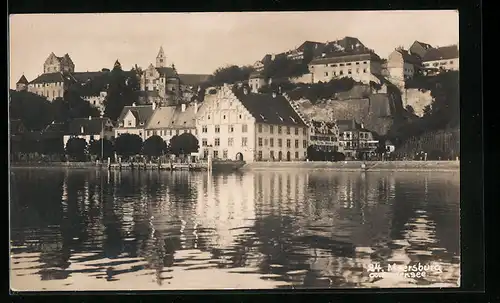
(370, 166)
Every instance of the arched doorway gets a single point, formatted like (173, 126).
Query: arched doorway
(239, 157)
(288, 156)
(280, 156)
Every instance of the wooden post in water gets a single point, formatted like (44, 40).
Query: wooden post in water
(109, 163)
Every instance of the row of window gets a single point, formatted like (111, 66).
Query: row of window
(169, 132)
(51, 94)
(435, 64)
(288, 130)
(349, 72)
(230, 141)
(272, 155)
(344, 64)
(264, 142)
(324, 138)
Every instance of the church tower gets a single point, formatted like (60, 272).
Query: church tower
(160, 59)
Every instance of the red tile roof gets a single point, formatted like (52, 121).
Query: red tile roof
(442, 53)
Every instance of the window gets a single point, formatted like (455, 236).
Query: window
(224, 154)
(129, 123)
(204, 142)
(271, 129)
(296, 130)
(208, 117)
(260, 141)
(341, 72)
(224, 117)
(216, 154)
(205, 153)
(357, 63)
(185, 131)
(305, 154)
(204, 129)
(296, 155)
(341, 64)
(260, 155)
(240, 116)
(304, 131)
(271, 142)
(364, 70)
(451, 62)
(296, 143)
(244, 128)
(271, 154)
(364, 62)
(244, 141)
(176, 132)
(279, 129)
(217, 129)
(304, 143)
(349, 71)
(217, 141)
(348, 64)
(231, 128)
(288, 143)
(280, 143)
(260, 128)
(326, 74)
(288, 130)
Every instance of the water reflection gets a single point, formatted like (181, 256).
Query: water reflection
(162, 230)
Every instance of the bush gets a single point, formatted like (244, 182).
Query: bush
(128, 145)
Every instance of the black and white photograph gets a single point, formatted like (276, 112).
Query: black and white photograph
(234, 150)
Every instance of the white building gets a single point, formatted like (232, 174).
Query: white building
(237, 124)
(97, 100)
(445, 58)
(172, 120)
(324, 136)
(133, 120)
(360, 65)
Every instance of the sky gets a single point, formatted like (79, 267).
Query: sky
(199, 43)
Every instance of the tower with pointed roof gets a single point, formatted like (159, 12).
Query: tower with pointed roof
(55, 64)
(117, 65)
(160, 58)
(22, 84)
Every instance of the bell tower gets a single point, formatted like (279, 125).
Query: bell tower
(160, 58)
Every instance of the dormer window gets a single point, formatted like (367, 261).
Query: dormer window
(293, 119)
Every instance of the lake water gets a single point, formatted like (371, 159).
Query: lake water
(150, 230)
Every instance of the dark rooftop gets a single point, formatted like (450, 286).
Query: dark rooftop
(168, 72)
(91, 126)
(52, 78)
(442, 53)
(347, 57)
(22, 80)
(141, 112)
(270, 110)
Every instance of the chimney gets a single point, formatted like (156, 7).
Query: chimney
(90, 117)
(274, 94)
(183, 107)
(133, 104)
(245, 90)
(195, 107)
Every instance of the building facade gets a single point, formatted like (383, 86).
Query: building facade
(442, 58)
(324, 136)
(240, 125)
(160, 82)
(401, 66)
(256, 81)
(90, 129)
(96, 100)
(55, 64)
(359, 65)
(22, 84)
(133, 120)
(172, 120)
(51, 86)
(355, 139)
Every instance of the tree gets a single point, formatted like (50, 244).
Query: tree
(230, 74)
(76, 147)
(128, 145)
(76, 106)
(103, 146)
(34, 111)
(154, 146)
(183, 144)
(122, 91)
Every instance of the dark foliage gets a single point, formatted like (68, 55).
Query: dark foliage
(184, 144)
(76, 148)
(102, 146)
(282, 67)
(315, 154)
(34, 111)
(128, 145)
(122, 91)
(230, 74)
(154, 146)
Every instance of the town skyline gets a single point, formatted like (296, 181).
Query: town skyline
(136, 38)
